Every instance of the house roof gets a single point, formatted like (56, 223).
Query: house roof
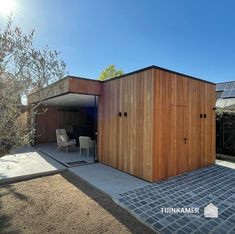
(141, 70)
(225, 95)
(226, 89)
(162, 69)
(88, 86)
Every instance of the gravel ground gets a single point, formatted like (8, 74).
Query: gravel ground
(61, 204)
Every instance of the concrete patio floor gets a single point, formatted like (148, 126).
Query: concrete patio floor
(107, 179)
(226, 161)
(214, 184)
(27, 163)
(64, 157)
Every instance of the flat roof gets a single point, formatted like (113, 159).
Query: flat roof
(162, 69)
(127, 74)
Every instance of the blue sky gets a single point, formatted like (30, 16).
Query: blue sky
(194, 37)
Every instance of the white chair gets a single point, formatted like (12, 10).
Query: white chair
(63, 139)
(85, 143)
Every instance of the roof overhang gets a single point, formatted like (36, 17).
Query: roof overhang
(67, 85)
(71, 84)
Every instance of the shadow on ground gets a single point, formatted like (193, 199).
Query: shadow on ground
(5, 220)
(107, 203)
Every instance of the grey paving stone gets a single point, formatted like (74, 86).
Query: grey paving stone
(219, 230)
(170, 219)
(225, 226)
(214, 184)
(175, 226)
(132, 207)
(186, 229)
(126, 203)
(150, 213)
(164, 222)
(213, 222)
(229, 224)
(143, 216)
(121, 199)
(152, 205)
(181, 232)
(166, 231)
(192, 226)
(157, 226)
(159, 215)
(138, 204)
(181, 223)
(150, 220)
(204, 229)
(198, 232)
(208, 226)
(138, 211)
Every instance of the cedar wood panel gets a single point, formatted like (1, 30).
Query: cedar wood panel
(178, 103)
(126, 142)
(163, 109)
(85, 86)
(53, 118)
(47, 122)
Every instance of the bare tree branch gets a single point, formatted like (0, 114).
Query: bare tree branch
(23, 69)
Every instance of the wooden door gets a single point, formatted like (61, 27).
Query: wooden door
(123, 126)
(135, 125)
(207, 125)
(125, 142)
(179, 140)
(108, 124)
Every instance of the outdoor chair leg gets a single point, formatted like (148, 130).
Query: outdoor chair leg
(80, 151)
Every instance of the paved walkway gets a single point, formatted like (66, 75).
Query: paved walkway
(27, 163)
(107, 179)
(214, 184)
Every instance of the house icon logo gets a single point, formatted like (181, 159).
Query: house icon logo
(211, 211)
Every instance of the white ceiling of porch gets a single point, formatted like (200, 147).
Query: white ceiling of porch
(71, 100)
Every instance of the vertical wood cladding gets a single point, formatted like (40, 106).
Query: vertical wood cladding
(46, 124)
(182, 140)
(125, 142)
(54, 118)
(162, 134)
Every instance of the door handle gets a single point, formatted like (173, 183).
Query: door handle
(185, 140)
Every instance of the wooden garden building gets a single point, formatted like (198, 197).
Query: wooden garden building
(152, 123)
